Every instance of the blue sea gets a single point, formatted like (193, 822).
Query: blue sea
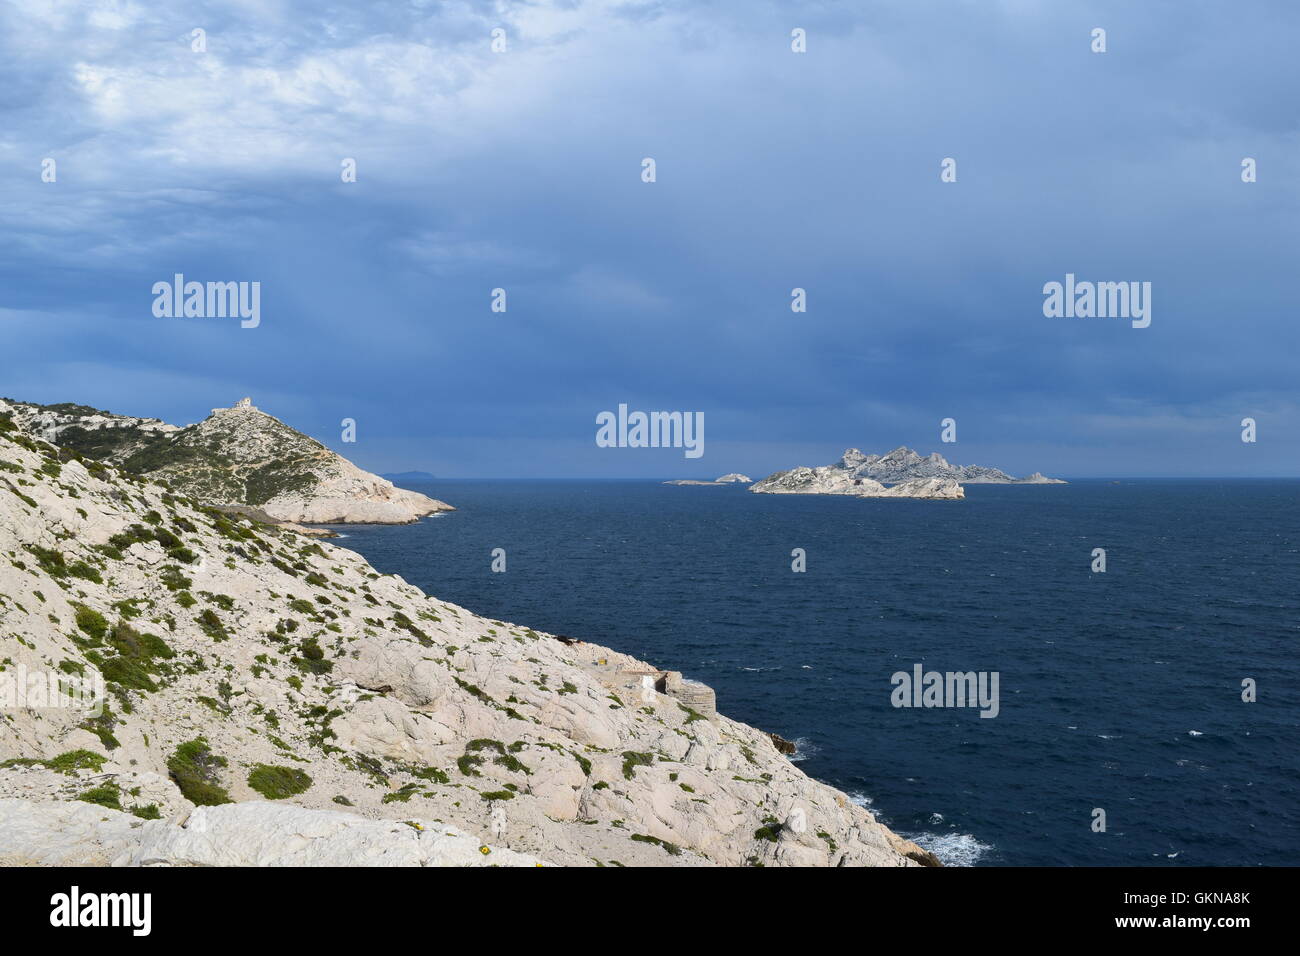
(1119, 690)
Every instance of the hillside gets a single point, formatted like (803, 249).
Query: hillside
(236, 456)
(270, 698)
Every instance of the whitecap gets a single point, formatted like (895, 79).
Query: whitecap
(952, 849)
(1195, 733)
(804, 748)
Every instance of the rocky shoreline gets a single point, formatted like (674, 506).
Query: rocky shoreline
(270, 698)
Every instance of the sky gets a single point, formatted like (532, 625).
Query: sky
(522, 169)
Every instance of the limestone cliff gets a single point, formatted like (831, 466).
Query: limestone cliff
(273, 699)
(236, 456)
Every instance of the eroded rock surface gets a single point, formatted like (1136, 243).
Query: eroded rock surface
(243, 662)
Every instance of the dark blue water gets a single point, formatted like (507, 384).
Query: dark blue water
(1103, 677)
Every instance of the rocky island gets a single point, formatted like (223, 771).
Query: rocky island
(237, 456)
(731, 479)
(901, 473)
(186, 686)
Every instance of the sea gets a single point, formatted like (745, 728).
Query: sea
(1148, 714)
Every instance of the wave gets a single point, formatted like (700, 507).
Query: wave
(804, 748)
(952, 849)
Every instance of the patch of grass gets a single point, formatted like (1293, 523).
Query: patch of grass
(403, 794)
(406, 624)
(632, 760)
(429, 773)
(277, 783)
(105, 795)
(672, 848)
(68, 762)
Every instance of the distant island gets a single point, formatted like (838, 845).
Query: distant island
(900, 473)
(734, 478)
(408, 476)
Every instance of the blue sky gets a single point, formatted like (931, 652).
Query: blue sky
(775, 170)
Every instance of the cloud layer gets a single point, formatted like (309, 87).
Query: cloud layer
(521, 170)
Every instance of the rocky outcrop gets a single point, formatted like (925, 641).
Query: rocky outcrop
(239, 834)
(904, 464)
(837, 480)
(901, 473)
(236, 456)
(222, 691)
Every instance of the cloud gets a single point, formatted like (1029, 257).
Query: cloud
(521, 170)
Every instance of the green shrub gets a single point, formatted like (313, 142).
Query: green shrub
(276, 783)
(212, 625)
(632, 760)
(193, 768)
(173, 578)
(91, 622)
(106, 795)
(63, 763)
(313, 658)
(672, 848)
